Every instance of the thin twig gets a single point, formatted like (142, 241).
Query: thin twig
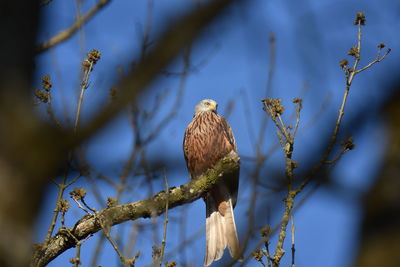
(248, 118)
(73, 180)
(61, 189)
(378, 59)
(293, 246)
(77, 260)
(338, 156)
(50, 112)
(164, 242)
(97, 251)
(268, 254)
(107, 179)
(82, 207)
(271, 63)
(123, 178)
(124, 260)
(257, 255)
(182, 84)
(106, 232)
(65, 34)
(55, 182)
(135, 229)
(84, 86)
(81, 32)
(299, 106)
(146, 35)
(182, 235)
(266, 233)
(283, 129)
(268, 86)
(87, 206)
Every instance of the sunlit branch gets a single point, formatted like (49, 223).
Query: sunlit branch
(153, 206)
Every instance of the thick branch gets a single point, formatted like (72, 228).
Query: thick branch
(146, 208)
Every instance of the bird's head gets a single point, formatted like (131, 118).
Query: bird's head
(205, 105)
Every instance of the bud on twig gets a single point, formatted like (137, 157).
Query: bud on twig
(78, 193)
(343, 63)
(360, 18)
(353, 51)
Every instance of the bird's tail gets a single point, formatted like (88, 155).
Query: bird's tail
(220, 230)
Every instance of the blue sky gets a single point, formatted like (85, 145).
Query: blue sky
(311, 37)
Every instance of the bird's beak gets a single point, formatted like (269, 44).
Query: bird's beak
(214, 107)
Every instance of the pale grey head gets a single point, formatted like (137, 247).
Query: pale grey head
(206, 105)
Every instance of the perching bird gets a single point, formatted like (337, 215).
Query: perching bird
(209, 138)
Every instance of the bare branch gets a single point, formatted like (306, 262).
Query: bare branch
(378, 59)
(61, 189)
(164, 242)
(87, 65)
(349, 75)
(124, 260)
(66, 34)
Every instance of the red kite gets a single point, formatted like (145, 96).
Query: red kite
(209, 138)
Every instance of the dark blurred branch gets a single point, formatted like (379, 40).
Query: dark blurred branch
(66, 34)
(172, 113)
(170, 45)
(153, 206)
(260, 156)
(45, 2)
(379, 242)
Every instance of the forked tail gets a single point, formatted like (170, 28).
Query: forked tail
(220, 230)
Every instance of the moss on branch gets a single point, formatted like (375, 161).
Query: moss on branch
(153, 206)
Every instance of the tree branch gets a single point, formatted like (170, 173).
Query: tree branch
(154, 206)
(67, 33)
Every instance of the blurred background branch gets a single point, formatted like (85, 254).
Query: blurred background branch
(67, 33)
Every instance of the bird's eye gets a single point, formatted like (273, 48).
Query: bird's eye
(207, 103)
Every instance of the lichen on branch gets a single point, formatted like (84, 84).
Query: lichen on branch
(146, 208)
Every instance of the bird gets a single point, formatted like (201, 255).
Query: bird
(209, 138)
